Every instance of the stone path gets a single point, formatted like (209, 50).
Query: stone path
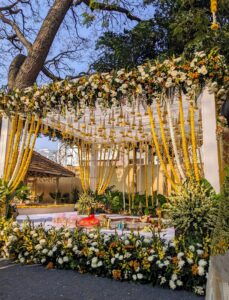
(37, 283)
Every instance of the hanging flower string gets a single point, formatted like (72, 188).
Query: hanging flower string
(215, 24)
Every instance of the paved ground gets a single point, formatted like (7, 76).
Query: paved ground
(36, 283)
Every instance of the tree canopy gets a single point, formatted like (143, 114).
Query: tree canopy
(178, 26)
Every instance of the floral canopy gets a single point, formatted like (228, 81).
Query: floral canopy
(154, 104)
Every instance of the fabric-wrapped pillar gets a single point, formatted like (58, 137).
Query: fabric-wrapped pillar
(210, 145)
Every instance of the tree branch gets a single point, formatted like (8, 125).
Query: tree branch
(26, 43)
(50, 74)
(111, 7)
(17, 30)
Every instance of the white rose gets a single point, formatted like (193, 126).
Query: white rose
(112, 260)
(200, 252)
(181, 263)
(139, 276)
(201, 271)
(22, 260)
(179, 283)
(65, 259)
(43, 260)
(120, 257)
(174, 277)
(38, 247)
(26, 253)
(189, 260)
(163, 280)
(60, 261)
(94, 260)
(134, 277)
(50, 253)
(180, 254)
(100, 263)
(166, 262)
(44, 251)
(150, 258)
(54, 248)
(192, 248)
(172, 284)
(42, 242)
(202, 262)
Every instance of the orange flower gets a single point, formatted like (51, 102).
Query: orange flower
(113, 245)
(193, 75)
(100, 254)
(175, 260)
(50, 265)
(116, 274)
(195, 269)
(205, 254)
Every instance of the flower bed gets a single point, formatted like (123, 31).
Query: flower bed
(129, 257)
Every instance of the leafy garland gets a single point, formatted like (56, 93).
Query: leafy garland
(150, 81)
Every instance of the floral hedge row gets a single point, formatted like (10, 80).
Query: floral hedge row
(127, 257)
(151, 81)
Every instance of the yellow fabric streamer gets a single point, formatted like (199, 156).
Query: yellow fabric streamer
(183, 137)
(176, 177)
(15, 145)
(175, 186)
(25, 155)
(193, 138)
(109, 174)
(29, 152)
(11, 139)
(146, 174)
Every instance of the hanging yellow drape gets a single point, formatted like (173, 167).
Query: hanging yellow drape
(27, 155)
(155, 140)
(109, 170)
(193, 139)
(166, 148)
(133, 179)
(84, 167)
(19, 152)
(11, 139)
(128, 176)
(146, 174)
(183, 137)
(152, 175)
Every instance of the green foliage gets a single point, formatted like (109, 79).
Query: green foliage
(21, 193)
(60, 197)
(177, 27)
(193, 209)
(85, 203)
(128, 49)
(220, 243)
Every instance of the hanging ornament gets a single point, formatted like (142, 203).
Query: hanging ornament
(215, 24)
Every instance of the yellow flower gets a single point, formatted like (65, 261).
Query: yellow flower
(214, 26)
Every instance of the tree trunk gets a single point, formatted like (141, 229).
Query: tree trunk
(35, 60)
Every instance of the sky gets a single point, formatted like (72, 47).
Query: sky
(66, 39)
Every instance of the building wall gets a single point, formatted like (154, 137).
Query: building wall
(119, 180)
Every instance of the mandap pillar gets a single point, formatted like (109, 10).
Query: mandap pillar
(210, 144)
